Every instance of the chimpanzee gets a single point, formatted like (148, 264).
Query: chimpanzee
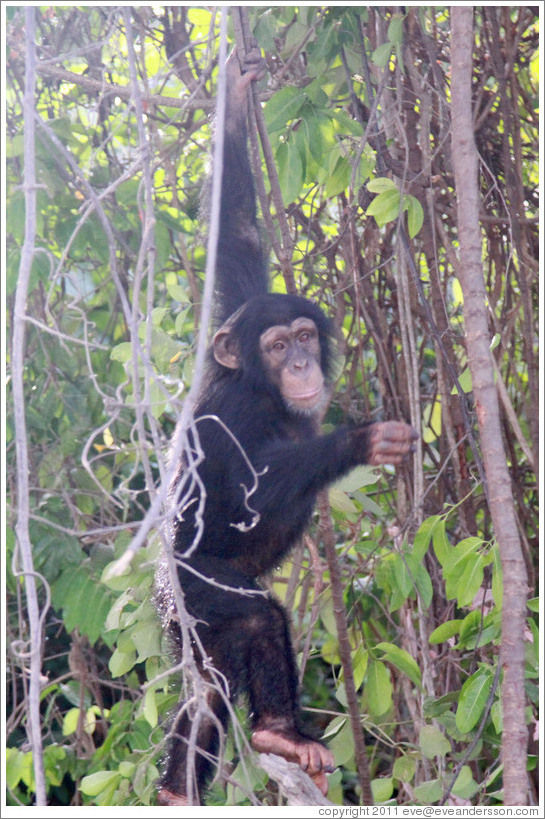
(266, 387)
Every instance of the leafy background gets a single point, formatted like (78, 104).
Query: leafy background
(111, 328)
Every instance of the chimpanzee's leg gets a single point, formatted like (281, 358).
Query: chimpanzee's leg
(246, 637)
(216, 611)
(272, 689)
(174, 788)
(254, 652)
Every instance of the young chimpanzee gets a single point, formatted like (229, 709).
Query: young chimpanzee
(267, 384)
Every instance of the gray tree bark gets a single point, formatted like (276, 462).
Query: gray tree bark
(515, 584)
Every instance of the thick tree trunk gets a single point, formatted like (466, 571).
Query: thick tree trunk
(464, 157)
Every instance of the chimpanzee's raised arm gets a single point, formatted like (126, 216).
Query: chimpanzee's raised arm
(241, 270)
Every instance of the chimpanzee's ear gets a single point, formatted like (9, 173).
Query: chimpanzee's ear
(226, 348)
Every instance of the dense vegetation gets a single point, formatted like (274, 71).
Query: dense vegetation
(399, 627)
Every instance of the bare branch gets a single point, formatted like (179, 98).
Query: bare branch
(465, 161)
(18, 353)
(294, 784)
(124, 92)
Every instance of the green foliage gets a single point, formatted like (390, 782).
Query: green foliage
(110, 331)
(389, 203)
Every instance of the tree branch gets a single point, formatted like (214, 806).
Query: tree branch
(294, 784)
(124, 92)
(339, 611)
(34, 655)
(464, 157)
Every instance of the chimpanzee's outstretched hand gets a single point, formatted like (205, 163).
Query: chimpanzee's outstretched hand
(390, 442)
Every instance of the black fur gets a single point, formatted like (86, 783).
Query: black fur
(246, 535)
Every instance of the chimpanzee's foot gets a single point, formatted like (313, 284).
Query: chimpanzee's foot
(311, 756)
(166, 797)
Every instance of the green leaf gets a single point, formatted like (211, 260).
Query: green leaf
(283, 107)
(465, 786)
(395, 29)
(290, 170)
(95, 783)
(339, 180)
(146, 637)
(404, 768)
(70, 722)
(382, 789)
(15, 146)
(497, 579)
(175, 290)
(127, 769)
(121, 662)
(463, 562)
(415, 215)
(465, 382)
(496, 713)
(84, 602)
(381, 184)
(369, 505)
(311, 127)
(402, 660)
(122, 352)
(342, 745)
(341, 502)
(422, 538)
(471, 580)
(18, 767)
(327, 615)
(423, 584)
(385, 207)
(381, 55)
(433, 742)
(428, 792)
(441, 545)
(330, 651)
(150, 707)
(358, 477)
(402, 575)
(378, 688)
(445, 631)
(472, 699)
(360, 659)
(470, 628)
(462, 549)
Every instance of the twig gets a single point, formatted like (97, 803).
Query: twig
(18, 353)
(339, 611)
(146, 258)
(124, 92)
